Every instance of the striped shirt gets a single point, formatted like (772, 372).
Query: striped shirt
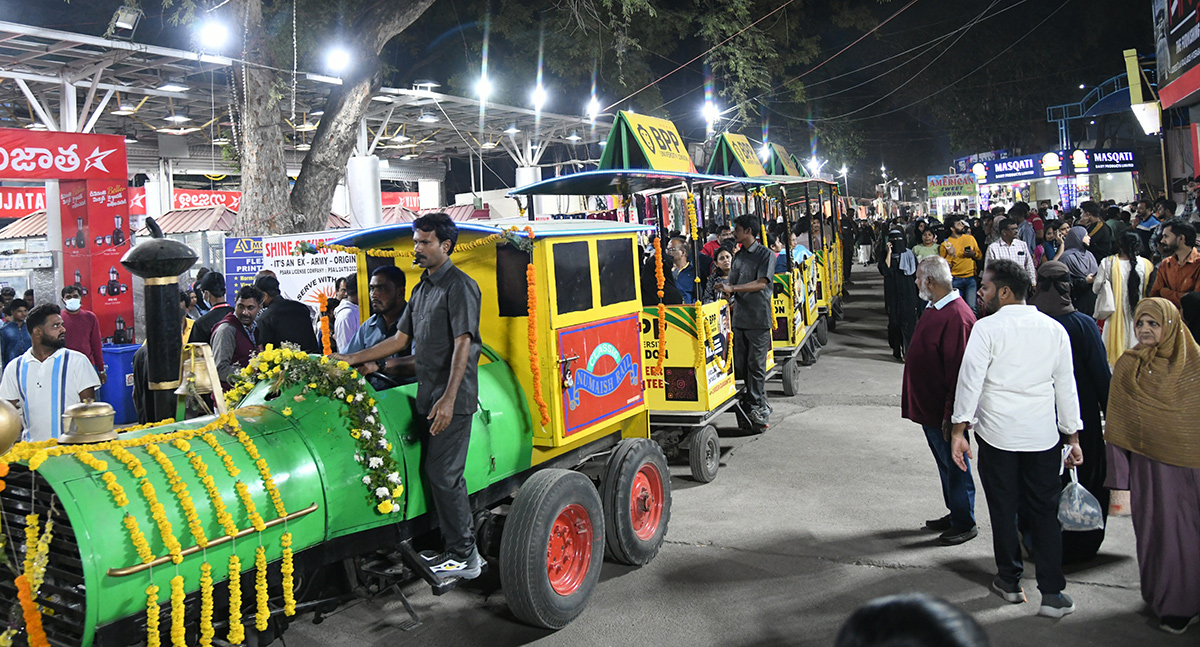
(43, 390)
(1017, 252)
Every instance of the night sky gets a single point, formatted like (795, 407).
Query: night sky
(903, 112)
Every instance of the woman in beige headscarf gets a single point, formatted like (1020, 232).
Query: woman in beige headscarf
(1154, 452)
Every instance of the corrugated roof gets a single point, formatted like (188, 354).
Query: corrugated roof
(30, 226)
(396, 214)
(214, 218)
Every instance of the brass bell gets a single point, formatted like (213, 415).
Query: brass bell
(196, 366)
(88, 422)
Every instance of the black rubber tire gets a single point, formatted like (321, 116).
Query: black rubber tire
(704, 453)
(616, 488)
(824, 324)
(524, 546)
(789, 374)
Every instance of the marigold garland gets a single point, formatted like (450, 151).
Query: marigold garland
(41, 558)
(153, 639)
(326, 346)
(33, 616)
(309, 248)
(179, 487)
(139, 540)
(660, 280)
(214, 495)
(256, 519)
(237, 633)
(118, 492)
(693, 224)
(723, 362)
(287, 569)
(226, 459)
(535, 366)
(206, 605)
(177, 612)
(31, 537)
(262, 612)
(264, 471)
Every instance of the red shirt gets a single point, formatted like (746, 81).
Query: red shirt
(83, 335)
(932, 361)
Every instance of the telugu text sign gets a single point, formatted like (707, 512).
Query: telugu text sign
(30, 155)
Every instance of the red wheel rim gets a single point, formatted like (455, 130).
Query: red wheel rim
(569, 551)
(646, 501)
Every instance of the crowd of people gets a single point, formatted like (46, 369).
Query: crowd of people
(1062, 341)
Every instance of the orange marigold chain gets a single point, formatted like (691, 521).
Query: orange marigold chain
(326, 347)
(660, 280)
(535, 366)
(33, 615)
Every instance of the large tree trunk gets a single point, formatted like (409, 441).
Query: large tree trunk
(264, 207)
(334, 140)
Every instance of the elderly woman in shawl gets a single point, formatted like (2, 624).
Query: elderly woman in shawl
(1082, 266)
(898, 266)
(1052, 297)
(1154, 452)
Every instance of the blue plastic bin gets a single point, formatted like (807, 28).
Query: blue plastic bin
(118, 390)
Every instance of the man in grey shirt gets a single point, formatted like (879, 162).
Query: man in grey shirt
(750, 285)
(442, 321)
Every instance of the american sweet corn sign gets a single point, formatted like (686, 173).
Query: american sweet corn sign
(952, 186)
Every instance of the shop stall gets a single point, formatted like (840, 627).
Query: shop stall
(1066, 177)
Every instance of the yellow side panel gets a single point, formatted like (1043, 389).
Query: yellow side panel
(681, 388)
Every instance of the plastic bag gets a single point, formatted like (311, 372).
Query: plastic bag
(1078, 510)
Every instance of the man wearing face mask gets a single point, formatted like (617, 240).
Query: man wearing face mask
(83, 329)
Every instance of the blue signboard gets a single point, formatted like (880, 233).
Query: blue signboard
(1053, 164)
(243, 259)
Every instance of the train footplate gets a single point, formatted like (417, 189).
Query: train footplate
(394, 573)
(414, 560)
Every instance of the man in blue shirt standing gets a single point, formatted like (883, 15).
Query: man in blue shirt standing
(14, 338)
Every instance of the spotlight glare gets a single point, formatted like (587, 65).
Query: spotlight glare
(539, 97)
(213, 35)
(593, 108)
(483, 88)
(337, 60)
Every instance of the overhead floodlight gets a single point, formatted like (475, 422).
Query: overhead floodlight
(220, 140)
(765, 151)
(382, 98)
(321, 78)
(178, 117)
(410, 156)
(337, 60)
(512, 130)
(882, 168)
(124, 109)
(488, 145)
(574, 137)
(593, 108)
(710, 112)
(539, 97)
(1082, 86)
(535, 146)
(305, 146)
(428, 118)
(173, 85)
(316, 113)
(306, 127)
(483, 88)
(213, 35)
(400, 139)
(1149, 116)
(426, 85)
(125, 21)
(131, 138)
(843, 171)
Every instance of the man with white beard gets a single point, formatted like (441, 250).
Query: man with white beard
(927, 396)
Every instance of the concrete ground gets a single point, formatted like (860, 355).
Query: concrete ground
(802, 525)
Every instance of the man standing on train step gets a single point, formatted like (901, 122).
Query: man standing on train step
(750, 284)
(442, 321)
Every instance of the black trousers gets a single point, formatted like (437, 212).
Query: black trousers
(750, 348)
(1027, 480)
(444, 462)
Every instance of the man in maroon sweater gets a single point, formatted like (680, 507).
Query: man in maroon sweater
(927, 397)
(83, 329)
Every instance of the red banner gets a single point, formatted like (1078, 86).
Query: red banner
(18, 202)
(188, 198)
(48, 155)
(406, 200)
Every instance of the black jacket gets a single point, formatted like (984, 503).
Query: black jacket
(287, 320)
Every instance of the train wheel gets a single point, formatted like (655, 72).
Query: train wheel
(704, 453)
(636, 490)
(823, 328)
(790, 374)
(552, 548)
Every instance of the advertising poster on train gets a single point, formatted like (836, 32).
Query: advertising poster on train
(716, 347)
(602, 371)
(310, 278)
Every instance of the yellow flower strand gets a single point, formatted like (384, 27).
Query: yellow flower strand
(149, 425)
(693, 224)
(157, 512)
(722, 362)
(118, 492)
(91, 461)
(37, 453)
(237, 633)
(177, 612)
(214, 495)
(31, 537)
(256, 519)
(181, 492)
(226, 459)
(139, 540)
(397, 253)
(152, 616)
(287, 569)
(262, 612)
(206, 605)
(264, 471)
(41, 558)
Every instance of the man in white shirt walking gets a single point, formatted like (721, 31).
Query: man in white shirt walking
(1011, 248)
(345, 316)
(1017, 385)
(47, 378)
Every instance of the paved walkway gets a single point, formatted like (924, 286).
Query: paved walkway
(803, 524)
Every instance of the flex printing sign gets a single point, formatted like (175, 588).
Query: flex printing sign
(29, 155)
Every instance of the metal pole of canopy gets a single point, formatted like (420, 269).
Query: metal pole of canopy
(529, 202)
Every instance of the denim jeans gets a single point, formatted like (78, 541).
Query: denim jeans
(966, 288)
(958, 488)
